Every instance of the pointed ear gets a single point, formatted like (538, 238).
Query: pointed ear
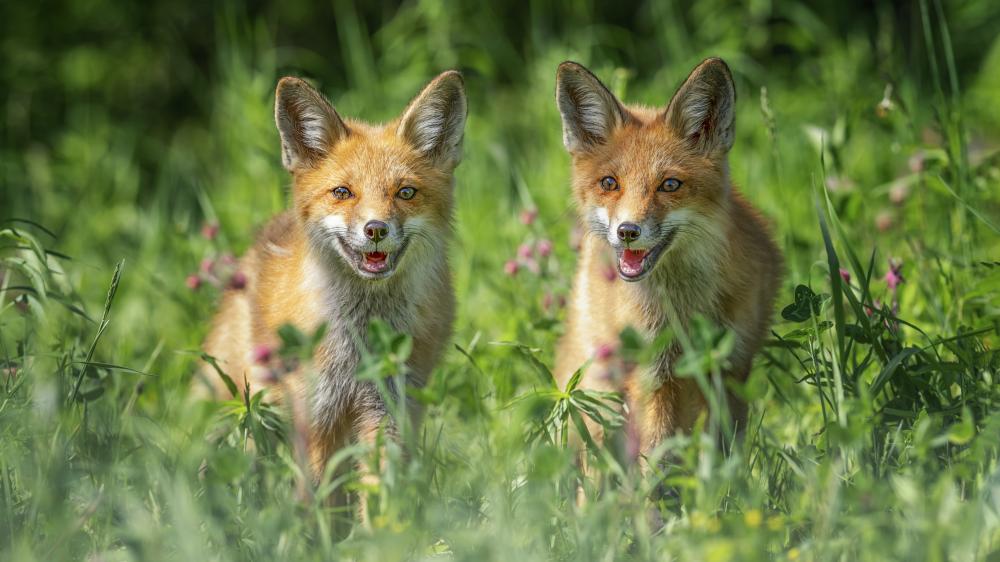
(308, 124)
(434, 122)
(703, 109)
(590, 112)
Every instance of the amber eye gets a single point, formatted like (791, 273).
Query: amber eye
(670, 184)
(609, 183)
(342, 193)
(406, 193)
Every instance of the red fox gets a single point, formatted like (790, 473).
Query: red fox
(366, 237)
(669, 237)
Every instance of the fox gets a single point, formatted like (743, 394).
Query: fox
(366, 236)
(667, 237)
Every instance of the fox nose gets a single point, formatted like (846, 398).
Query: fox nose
(628, 232)
(376, 230)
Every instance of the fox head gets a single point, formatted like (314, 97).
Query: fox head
(649, 180)
(378, 197)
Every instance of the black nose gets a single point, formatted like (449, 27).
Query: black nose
(376, 230)
(628, 232)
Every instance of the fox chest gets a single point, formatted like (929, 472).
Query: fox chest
(650, 308)
(349, 324)
(336, 391)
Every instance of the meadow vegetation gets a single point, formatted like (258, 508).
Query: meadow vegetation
(139, 155)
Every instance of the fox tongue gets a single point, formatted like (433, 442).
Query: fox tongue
(631, 262)
(375, 261)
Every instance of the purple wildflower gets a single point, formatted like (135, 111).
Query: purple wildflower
(575, 238)
(610, 274)
(545, 248)
(238, 280)
(894, 277)
(210, 230)
(262, 354)
(899, 192)
(883, 221)
(604, 352)
(510, 268)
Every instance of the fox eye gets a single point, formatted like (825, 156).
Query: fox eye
(406, 193)
(609, 183)
(670, 184)
(342, 193)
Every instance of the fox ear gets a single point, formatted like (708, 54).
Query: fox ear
(703, 109)
(308, 124)
(434, 122)
(590, 112)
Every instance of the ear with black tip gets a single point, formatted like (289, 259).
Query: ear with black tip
(590, 112)
(703, 110)
(308, 124)
(434, 122)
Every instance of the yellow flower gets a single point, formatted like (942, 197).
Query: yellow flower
(753, 518)
(793, 553)
(698, 520)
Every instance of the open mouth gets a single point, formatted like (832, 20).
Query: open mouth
(372, 265)
(374, 262)
(634, 264)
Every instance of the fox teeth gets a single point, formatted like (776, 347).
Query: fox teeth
(631, 261)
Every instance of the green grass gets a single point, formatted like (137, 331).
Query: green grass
(875, 413)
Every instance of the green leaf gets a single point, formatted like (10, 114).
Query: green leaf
(226, 379)
(890, 369)
(835, 283)
(963, 431)
(574, 380)
(807, 303)
(112, 290)
(857, 333)
(545, 375)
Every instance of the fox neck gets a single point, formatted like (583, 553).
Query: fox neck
(688, 280)
(350, 302)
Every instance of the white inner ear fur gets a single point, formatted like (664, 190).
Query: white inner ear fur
(434, 123)
(307, 123)
(591, 116)
(314, 129)
(703, 108)
(589, 111)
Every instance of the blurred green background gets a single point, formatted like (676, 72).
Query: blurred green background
(129, 127)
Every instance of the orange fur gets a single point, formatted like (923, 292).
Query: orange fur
(310, 266)
(713, 254)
